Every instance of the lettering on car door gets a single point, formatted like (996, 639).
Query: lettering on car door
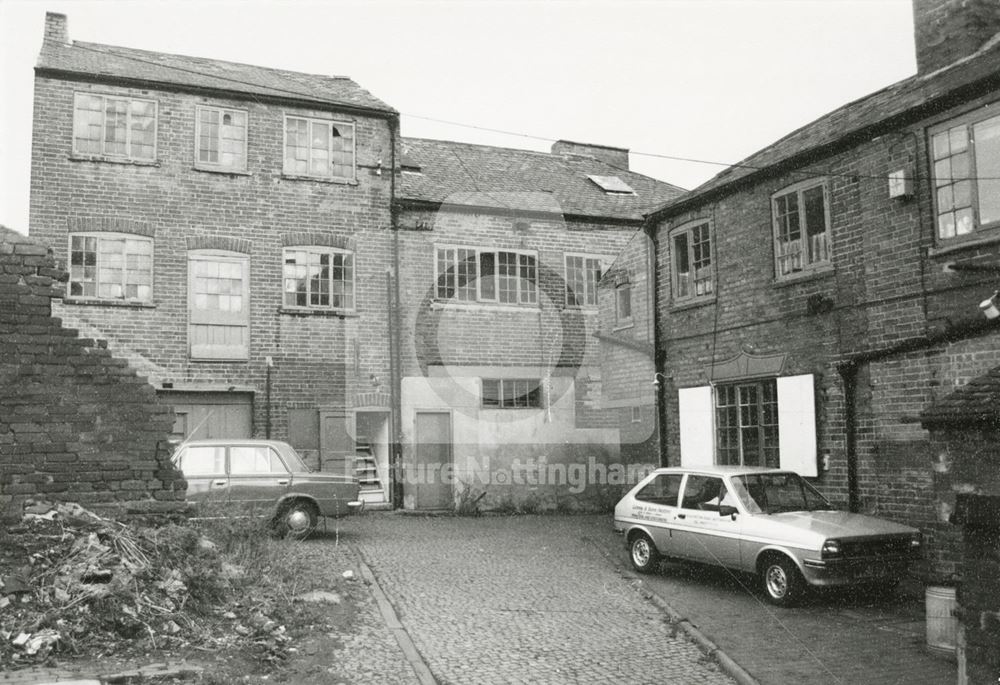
(656, 506)
(705, 535)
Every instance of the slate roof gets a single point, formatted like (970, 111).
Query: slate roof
(909, 99)
(497, 177)
(975, 403)
(198, 72)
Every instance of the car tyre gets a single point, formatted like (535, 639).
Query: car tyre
(643, 554)
(783, 584)
(297, 519)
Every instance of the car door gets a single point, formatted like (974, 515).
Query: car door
(655, 506)
(257, 479)
(703, 534)
(204, 469)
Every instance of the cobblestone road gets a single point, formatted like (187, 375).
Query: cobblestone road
(525, 599)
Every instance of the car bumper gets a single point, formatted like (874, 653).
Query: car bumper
(827, 572)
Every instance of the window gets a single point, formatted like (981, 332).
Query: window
(114, 127)
(663, 489)
(623, 303)
(471, 275)
(636, 415)
(692, 250)
(203, 461)
(512, 393)
(801, 228)
(319, 278)
(763, 422)
(318, 147)
(111, 266)
(221, 136)
(966, 157)
(246, 459)
(582, 276)
(747, 423)
(703, 493)
(219, 299)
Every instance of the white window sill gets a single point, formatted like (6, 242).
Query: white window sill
(305, 311)
(805, 275)
(113, 160)
(320, 179)
(221, 170)
(588, 309)
(692, 303)
(959, 244)
(485, 306)
(96, 301)
(623, 327)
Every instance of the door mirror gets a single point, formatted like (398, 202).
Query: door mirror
(726, 510)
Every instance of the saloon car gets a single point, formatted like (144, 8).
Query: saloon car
(765, 521)
(263, 478)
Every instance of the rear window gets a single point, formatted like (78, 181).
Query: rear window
(663, 489)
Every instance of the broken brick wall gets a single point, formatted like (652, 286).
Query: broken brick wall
(75, 423)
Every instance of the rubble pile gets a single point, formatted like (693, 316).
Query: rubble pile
(74, 583)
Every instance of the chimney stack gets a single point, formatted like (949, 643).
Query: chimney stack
(948, 30)
(615, 156)
(56, 30)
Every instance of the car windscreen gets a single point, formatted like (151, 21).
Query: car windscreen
(774, 493)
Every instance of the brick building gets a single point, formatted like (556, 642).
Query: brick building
(501, 253)
(816, 298)
(227, 228)
(76, 423)
(626, 333)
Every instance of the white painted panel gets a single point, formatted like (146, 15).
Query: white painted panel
(697, 426)
(797, 424)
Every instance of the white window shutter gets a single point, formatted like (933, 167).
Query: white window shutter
(697, 426)
(797, 424)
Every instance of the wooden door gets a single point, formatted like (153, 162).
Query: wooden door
(433, 454)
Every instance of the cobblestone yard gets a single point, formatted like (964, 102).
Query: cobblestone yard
(522, 599)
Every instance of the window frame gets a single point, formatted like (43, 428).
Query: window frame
(219, 166)
(769, 448)
(533, 395)
(687, 230)
(799, 190)
(590, 289)
(309, 174)
(968, 122)
(320, 250)
(104, 154)
(102, 236)
(216, 317)
(623, 292)
(524, 298)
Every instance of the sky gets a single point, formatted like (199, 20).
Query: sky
(706, 80)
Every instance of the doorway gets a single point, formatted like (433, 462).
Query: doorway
(433, 451)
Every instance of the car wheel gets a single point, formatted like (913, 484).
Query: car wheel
(297, 519)
(783, 584)
(643, 554)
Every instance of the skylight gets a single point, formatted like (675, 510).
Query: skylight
(612, 184)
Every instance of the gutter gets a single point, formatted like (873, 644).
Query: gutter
(395, 325)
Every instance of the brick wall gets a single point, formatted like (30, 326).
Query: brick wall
(888, 286)
(76, 423)
(317, 359)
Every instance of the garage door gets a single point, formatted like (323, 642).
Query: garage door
(202, 415)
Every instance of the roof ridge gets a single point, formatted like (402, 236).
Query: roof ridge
(105, 47)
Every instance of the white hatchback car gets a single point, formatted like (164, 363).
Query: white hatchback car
(765, 521)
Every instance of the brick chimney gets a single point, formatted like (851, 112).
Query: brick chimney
(948, 30)
(56, 30)
(616, 156)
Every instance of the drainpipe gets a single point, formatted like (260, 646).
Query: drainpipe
(849, 376)
(659, 355)
(394, 313)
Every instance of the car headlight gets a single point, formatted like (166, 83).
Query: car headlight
(831, 548)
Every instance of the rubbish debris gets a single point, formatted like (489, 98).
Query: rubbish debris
(348, 574)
